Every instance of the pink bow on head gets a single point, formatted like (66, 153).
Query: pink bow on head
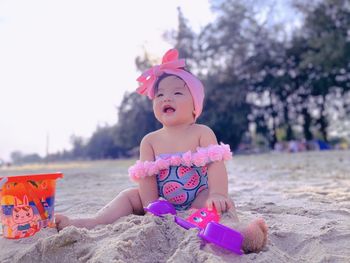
(147, 79)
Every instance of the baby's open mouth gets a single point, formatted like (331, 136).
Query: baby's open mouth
(168, 109)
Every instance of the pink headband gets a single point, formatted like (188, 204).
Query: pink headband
(174, 66)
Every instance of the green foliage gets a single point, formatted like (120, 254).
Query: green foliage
(101, 145)
(225, 111)
(18, 157)
(79, 149)
(326, 31)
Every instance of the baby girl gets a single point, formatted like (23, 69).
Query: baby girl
(181, 162)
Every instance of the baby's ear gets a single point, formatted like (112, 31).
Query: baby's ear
(16, 201)
(25, 200)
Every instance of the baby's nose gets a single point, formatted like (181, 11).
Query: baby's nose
(167, 98)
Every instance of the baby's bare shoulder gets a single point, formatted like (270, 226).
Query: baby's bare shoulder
(202, 129)
(151, 137)
(206, 135)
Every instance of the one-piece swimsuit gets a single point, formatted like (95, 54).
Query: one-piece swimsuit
(180, 184)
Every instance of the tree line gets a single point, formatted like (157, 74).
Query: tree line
(262, 81)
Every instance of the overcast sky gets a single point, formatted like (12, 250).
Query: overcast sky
(65, 65)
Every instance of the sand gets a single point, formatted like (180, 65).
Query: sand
(304, 198)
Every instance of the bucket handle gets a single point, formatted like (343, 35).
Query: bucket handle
(3, 181)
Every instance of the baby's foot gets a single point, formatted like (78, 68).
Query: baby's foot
(62, 221)
(255, 236)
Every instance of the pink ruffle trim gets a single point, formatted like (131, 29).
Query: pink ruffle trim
(203, 156)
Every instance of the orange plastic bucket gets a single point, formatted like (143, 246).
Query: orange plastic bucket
(27, 203)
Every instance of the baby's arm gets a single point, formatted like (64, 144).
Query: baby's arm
(147, 186)
(217, 177)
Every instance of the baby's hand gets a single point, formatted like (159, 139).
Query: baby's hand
(221, 202)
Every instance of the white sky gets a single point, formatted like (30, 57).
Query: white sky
(65, 64)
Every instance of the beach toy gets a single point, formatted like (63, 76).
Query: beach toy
(222, 236)
(27, 203)
(202, 217)
(161, 207)
(184, 223)
(206, 221)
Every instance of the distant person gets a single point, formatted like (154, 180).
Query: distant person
(293, 146)
(278, 147)
(323, 146)
(181, 162)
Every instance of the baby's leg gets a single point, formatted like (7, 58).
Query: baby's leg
(125, 203)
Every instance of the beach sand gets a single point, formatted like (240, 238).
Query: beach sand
(304, 198)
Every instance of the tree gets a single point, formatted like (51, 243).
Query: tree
(102, 145)
(221, 50)
(226, 111)
(18, 157)
(326, 32)
(135, 120)
(78, 149)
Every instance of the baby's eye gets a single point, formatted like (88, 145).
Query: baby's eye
(197, 219)
(28, 214)
(178, 93)
(159, 95)
(17, 216)
(203, 213)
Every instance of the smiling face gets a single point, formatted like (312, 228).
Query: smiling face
(173, 103)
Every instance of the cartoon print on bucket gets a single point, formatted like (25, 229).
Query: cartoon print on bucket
(24, 222)
(27, 204)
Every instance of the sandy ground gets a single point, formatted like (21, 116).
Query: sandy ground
(304, 198)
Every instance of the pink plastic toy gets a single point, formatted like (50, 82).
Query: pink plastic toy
(204, 220)
(202, 217)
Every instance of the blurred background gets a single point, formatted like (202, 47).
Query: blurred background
(276, 74)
